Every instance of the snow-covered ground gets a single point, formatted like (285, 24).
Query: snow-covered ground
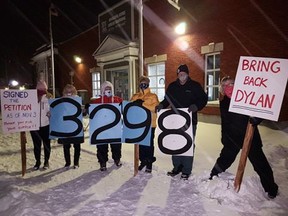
(88, 191)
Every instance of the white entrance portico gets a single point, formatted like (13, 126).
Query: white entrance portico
(117, 59)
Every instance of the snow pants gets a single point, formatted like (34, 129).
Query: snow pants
(102, 152)
(39, 136)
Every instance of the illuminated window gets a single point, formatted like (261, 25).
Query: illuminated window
(96, 89)
(156, 74)
(212, 75)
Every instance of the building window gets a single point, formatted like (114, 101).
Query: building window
(212, 76)
(96, 89)
(156, 74)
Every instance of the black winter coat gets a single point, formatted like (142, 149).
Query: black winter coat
(233, 126)
(182, 96)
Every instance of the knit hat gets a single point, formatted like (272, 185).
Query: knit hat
(41, 85)
(106, 84)
(145, 79)
(183, 68)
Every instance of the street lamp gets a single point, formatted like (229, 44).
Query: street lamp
(14, 83)
(78, 59)
(180, 29)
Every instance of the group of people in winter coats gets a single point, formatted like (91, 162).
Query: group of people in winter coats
(182, 93)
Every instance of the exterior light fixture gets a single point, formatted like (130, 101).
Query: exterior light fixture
(180, 29)
(78, 59)
(14, 83)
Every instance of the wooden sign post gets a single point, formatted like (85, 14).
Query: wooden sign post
(136, 159)
(243, 158)
(23, 151)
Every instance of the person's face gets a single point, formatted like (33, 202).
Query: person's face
(182, 76)
(228, 88)
(108, 91)
(143, 85)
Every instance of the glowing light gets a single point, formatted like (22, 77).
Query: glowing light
(180, 29)
(78, 59)
(182, 44)
(14, 83)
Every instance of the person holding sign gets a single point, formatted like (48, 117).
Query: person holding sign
(102, 149)
(184, 93)
(233, 129)
(148, 100)
(42, 135)
(70, 91)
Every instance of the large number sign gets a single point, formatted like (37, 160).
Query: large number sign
(175, 133)
(137, 124)
(20, 110)
(106, 124)
(259, 87)
(65, 117)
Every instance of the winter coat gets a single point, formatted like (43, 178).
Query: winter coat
(150, 101)
(105, 99)
(182, 96)
(233, 126)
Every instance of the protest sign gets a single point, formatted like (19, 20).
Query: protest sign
(106, 125)
(259, 87)
(20, 110)
(66, 117)
(174, 130)
(137, 124)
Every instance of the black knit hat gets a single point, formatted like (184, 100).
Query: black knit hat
(183, 68)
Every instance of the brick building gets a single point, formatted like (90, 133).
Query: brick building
(218, 32)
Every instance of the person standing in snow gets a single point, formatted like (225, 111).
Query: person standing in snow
(184, 93)
(233, 130)
(42, 135)
(102, 149)
(148, 100)
(70, 91)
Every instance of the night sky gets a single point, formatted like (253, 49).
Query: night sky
(25, 27)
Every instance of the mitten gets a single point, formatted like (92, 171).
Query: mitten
(193, 108)
(138, 102)
(255, 121)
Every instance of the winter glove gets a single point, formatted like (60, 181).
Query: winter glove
(138, 102)
(255, 121)
(193, 108)
(158, 108)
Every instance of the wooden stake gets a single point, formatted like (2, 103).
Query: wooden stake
(23, 151)
(243, 158)
(136, 159)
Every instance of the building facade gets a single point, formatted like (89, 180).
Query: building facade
(217, 33)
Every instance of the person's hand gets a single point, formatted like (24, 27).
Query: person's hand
(86, 109)
(138, 102)
(192, 108)
(158, 108)
(255, 121)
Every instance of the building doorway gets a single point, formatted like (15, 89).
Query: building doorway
(119, 79)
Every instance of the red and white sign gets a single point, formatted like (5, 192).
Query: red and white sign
(20, 110)
(259, 87)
